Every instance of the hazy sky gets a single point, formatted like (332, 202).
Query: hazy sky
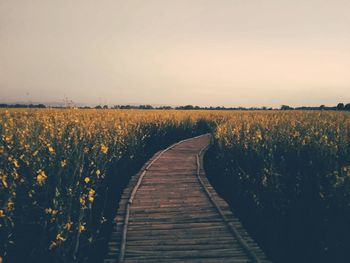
(203, 52)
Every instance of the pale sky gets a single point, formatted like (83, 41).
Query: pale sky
(177, 52)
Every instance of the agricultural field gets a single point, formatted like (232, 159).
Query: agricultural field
(60, 171)
(286, 173)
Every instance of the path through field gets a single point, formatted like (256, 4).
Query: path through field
(170, 213)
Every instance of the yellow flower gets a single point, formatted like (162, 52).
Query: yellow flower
(51, 211)
(63, 163)
(68, 225)
(98, 172)
(82, 200)
(59, 237)
(3, 180)
(81, 227)
(91, 195)
(10, 205)
(2, 214)
(87, 180)
(50, 148)
(15, 163)
(104, 149)
(41, 177)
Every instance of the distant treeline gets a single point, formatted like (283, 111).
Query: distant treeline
(340, 106)
(4, 105)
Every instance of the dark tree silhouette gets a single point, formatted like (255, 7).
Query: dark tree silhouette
(286, 107)
(340, 106)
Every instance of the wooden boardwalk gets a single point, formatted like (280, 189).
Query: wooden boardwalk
(170, 213)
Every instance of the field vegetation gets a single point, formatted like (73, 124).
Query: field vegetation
(285, 173)
(62, 171)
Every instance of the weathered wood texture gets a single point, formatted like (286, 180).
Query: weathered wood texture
(170, 213)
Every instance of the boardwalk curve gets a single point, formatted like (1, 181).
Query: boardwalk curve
(169, 212)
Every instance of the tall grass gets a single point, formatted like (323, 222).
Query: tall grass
(60, 168)
(288, 176)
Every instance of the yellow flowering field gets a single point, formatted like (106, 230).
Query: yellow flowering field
(56, 166)
(287, 175)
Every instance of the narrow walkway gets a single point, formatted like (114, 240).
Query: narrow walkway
(170, 213)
